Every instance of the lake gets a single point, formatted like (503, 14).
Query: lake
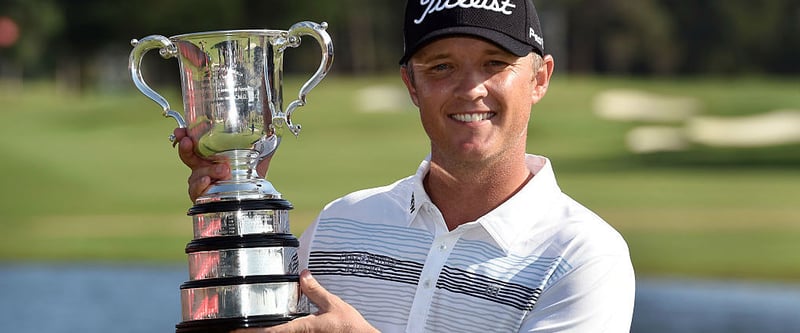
(94, 298)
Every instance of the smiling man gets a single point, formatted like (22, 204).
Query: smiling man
(480, 238)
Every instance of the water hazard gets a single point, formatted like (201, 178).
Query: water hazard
(136, 298)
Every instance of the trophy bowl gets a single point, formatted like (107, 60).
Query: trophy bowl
(232, 84)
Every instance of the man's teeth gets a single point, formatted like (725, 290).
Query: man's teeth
(470, 117)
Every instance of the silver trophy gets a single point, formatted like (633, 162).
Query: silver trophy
(243, 266)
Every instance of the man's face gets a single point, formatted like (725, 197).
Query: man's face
(474, 98)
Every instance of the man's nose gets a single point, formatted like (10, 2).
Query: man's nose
(471, 85)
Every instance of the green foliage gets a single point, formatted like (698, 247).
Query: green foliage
(646, 37)
(39, 22)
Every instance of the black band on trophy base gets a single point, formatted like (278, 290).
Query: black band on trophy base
(237, 280)
(225, 325)
(229, 206)
(245, 241)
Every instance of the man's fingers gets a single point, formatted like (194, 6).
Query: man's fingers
(177, 134)
(198, 187)
(186, 152)
(210, 169)
(202, 177)
(315, 292)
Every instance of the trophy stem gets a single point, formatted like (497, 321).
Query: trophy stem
(242, 163)
(245, 182)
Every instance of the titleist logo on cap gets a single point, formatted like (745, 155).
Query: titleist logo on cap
(501, 6)
(512, 25)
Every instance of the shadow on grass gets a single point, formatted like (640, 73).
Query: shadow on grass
(775, 157)
(785, 157)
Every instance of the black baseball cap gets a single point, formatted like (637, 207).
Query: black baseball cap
(511, 24)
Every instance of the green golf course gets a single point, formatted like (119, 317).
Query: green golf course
(92, 177)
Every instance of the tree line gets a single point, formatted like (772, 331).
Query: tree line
(626, 37)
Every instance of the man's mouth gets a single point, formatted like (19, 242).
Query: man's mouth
(472, 117)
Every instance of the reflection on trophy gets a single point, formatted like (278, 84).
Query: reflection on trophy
(243, 266)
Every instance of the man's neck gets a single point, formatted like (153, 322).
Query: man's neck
(465, 192)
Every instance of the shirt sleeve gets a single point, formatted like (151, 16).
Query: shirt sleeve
(595, 297)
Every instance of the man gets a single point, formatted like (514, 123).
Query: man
(480, 239)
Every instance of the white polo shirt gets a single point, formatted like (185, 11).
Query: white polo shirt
(540, 262)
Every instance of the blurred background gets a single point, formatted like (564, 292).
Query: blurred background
(677, 121)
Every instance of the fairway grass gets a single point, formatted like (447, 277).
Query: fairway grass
(93, 177)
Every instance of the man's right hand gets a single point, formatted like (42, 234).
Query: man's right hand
(204, 172)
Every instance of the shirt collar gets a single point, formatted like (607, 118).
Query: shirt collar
(419, 199)
(503, 224)
(525, 210)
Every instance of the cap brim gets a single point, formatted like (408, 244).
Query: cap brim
(502, 40)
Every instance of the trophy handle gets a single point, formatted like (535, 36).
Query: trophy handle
(317, 31)
(168, 50)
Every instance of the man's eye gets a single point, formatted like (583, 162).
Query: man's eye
(440, 67)
(497, 63)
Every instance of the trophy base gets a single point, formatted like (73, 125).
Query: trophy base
(239, 190)
(225, 325)
(246, 205)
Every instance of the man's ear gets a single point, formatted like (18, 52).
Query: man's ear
(542, 78)
(412, 91)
